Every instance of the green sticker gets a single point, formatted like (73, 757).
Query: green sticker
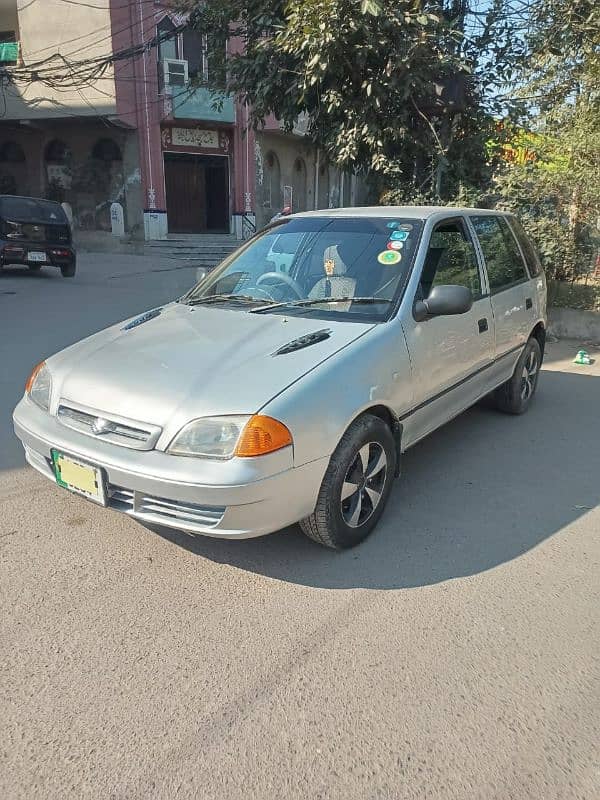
(389, 257)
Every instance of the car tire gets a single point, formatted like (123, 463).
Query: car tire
(514, 396)
(68, 271)
(365, 458)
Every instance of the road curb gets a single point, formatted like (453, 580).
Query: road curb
(569, 323)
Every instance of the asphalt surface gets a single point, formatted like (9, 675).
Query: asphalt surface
(453, 655)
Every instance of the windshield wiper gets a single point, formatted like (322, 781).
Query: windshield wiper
(219, 298)
(319, 301)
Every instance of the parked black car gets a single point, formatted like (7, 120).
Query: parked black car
(35, 233)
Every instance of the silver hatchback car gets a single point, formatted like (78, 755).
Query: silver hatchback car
(285, 386)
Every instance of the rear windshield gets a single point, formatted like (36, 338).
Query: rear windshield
(28, 209)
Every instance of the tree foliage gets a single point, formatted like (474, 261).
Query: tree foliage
(393, 90)
(557, 192)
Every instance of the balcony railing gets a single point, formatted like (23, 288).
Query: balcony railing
(9, 52)
(199, 103)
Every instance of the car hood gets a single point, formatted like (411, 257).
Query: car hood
(183, 362)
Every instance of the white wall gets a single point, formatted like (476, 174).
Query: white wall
(77, 32)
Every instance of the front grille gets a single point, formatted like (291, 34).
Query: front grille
(180, 511)
(172, 513)
(127, 433)
(120, 499)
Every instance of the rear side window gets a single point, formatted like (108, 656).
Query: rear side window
(504, 263)
(531, 257)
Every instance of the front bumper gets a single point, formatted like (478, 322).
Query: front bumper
(159, 488)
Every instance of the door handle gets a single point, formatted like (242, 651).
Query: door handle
(482, 324)
(529, 303)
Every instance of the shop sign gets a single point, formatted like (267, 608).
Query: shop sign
(195, 137)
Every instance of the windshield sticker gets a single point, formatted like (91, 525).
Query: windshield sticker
(389, 257)
(399, 236)
(392, 224)
(395, 245)
(405, 226)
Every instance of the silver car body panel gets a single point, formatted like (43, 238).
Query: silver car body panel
(189, 362)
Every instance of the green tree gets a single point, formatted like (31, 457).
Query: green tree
(395, 91)
(557, 192)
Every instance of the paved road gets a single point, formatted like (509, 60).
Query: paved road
(453, 655)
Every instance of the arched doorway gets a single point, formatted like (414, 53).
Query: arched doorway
(57, 163)
(272, 195)
(106, 178)
(299, 185)
(323, 194)
(13, 169)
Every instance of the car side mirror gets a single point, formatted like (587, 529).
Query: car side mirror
(444, 301)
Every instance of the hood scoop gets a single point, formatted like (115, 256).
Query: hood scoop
(143, 318)
(303, 341)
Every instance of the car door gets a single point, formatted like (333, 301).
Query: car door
(449, 354)
(512, 292)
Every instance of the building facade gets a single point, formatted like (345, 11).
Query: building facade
(178, 158)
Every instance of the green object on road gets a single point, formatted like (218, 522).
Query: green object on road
(583, 358)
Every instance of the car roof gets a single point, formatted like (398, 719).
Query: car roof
(408, 212)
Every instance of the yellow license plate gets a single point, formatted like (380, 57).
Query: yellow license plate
(84, 479)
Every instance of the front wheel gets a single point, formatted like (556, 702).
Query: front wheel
(356, 485)
(514, 396)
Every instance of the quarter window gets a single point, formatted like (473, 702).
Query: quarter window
(531, 257)
(450, 259)
(503, 260)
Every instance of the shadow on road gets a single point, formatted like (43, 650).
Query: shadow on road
(45, 273)
(481, 491)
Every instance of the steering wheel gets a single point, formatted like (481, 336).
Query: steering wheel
(281, 277)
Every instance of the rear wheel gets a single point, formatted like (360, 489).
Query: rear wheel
(514, 396)
(68, 271)
(356, 486)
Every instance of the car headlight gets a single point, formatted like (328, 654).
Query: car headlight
(39, 386)
(224, 437)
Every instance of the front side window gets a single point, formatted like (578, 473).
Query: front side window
(450, 259)
(505, 266)
(168, 47)
(318, 265)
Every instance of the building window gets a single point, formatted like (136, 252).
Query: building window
(168, 48)
(12, 152)
(272, 182)
(299, 185)
(323, 195)
(106, 150)
(57, 152)
(194, 52)
(57, 157)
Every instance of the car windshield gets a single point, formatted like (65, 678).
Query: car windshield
(29, 209)
(317, 265)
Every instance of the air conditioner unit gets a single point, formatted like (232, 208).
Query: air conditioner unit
(175, 72)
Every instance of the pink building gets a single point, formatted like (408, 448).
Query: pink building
(176, 157)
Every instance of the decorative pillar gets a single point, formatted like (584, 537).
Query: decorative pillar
(244, 174)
